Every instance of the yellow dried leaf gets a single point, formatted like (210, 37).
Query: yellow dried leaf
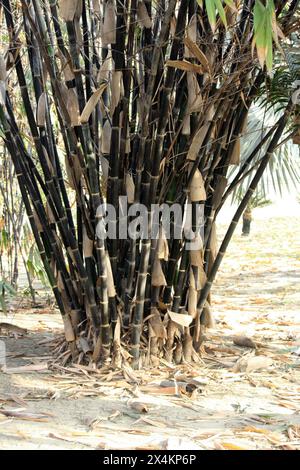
(92, 103)
(180, 318)
(231, 446)
(185, 65)
(192, 46)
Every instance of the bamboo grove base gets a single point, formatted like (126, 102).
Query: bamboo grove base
(152, 351)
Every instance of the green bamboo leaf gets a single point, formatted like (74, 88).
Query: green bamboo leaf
(9, 288)
(3, 303)
(274, 26)
(4, 239)
(260, 30)
(211, 13)
(30, 267)
(270, 7)
(270, 14)
(221, 11)
(269, 57)
(264, 31)
(258, 14)
(231, 4)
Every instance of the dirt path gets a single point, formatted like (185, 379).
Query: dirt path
(210, 407)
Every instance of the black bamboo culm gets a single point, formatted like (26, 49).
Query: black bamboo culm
(125, 103)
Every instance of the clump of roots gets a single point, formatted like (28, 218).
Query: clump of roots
(162, 339)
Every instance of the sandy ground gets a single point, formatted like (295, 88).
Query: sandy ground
(211, 406)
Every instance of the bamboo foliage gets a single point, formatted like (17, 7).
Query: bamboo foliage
(132, 99)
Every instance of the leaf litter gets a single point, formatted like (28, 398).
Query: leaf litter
(244, 394)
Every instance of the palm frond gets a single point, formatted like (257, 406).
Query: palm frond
(283, 171)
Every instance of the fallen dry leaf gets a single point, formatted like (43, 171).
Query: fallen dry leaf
(293, 432)
(249, 364)
(244, 342)
(8, 327)
(180, 318)
(288, 447)
(152, 422)
(177, 443)
(273, 437)
(130, 376)
(231, 446)
(20, 414)
(60, 437)
(13, 398)
(139, 407)
(25, 369)
(160, 390)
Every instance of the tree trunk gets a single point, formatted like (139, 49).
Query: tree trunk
(247, 218)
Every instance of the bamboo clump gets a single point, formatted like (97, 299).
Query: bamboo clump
(120, 99)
